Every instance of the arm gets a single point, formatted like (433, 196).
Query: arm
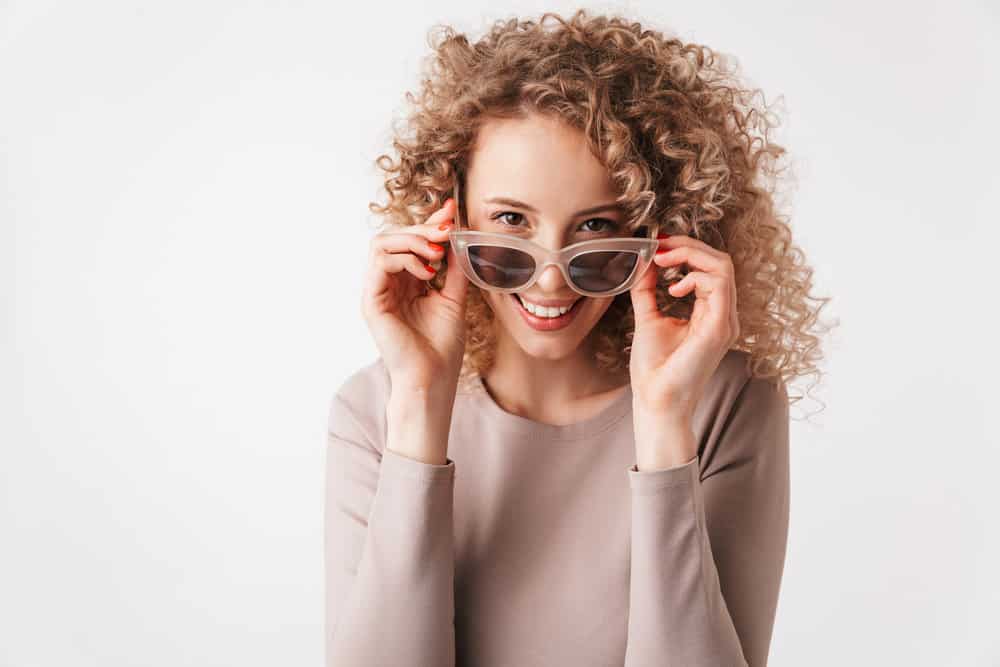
(388, 541)
(708, 547)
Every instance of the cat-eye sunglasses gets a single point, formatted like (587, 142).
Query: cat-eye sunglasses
(502, 262)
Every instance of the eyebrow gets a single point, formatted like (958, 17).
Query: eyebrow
(507, 201)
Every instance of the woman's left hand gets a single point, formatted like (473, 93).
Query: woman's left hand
(672, 359)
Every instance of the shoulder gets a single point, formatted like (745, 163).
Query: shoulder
(367, 384)
(357, 407)
(733, 385)
(741, 416)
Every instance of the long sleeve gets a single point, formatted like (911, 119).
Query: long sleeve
(389, 562)
(708, 546)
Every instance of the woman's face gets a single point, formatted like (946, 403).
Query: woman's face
(546, 174)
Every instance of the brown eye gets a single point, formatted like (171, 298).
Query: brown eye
(500, 215)
(608, 225)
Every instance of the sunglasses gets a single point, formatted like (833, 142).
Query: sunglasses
(596, 268)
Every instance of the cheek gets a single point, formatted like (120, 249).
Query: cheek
(596, 310)
(495, 300)
(498, 303)
(599, 306)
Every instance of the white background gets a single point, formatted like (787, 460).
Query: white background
(183, 233)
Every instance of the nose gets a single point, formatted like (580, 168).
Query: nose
(551, 281)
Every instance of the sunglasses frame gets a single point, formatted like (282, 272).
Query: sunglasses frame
(462, 238)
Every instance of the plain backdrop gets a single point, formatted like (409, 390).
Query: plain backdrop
(183, 236)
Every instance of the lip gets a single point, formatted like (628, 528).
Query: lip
(547, 323)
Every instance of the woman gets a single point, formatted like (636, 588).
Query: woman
(544, 467)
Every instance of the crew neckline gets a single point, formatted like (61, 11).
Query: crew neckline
(523, 426)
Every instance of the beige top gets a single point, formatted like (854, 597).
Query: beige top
(538, 544)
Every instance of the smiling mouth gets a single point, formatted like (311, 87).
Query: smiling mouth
(545, 312)
(543, 323)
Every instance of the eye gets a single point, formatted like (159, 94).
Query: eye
(605, 225)
(609, 225)
(497, 216)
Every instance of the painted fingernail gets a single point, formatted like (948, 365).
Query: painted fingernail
(662, 251)
(661, 235)
(430, 268)
(435, 246)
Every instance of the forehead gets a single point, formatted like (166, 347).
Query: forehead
(536, 159)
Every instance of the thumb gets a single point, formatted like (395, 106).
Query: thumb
(643, 295)
(456, 283)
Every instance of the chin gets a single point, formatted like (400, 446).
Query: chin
(548, 351)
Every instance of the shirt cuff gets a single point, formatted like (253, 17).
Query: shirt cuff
(650, 480)
(399, 465)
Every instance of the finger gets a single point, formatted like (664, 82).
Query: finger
(382, 266)
(697, 257)
(709, 289)
(703, 283)
(679, 240)
(396, 262)
(443, 214)
(456, 283)
(643, 295)
(436, 233)
(431, 227)
(402, 242)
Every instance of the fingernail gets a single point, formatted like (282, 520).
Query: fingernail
(430, 268)
(435, 246)
(662, 250)
(661, 235)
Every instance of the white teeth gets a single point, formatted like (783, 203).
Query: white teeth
(543, 311)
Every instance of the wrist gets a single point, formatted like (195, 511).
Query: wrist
(418, 423)
(664, 442)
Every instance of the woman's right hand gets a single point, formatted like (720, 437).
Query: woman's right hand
(419, 331)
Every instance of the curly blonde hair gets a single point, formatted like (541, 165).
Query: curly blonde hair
(682, 139)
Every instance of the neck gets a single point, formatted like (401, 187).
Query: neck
(535, 387)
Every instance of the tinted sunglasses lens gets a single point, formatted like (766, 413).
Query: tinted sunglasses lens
(501, 267)
(602, 271)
